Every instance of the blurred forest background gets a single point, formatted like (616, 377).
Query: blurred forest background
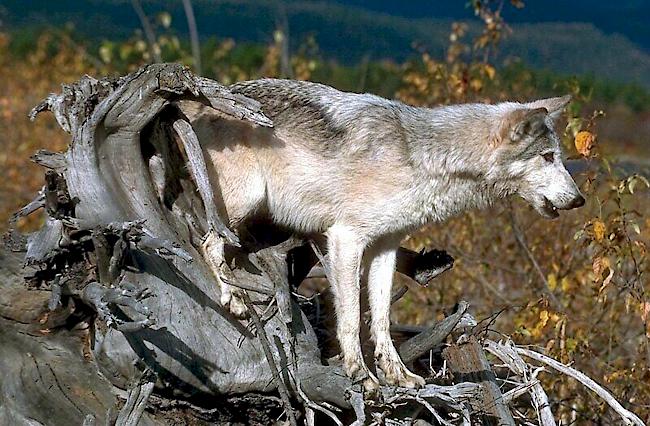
(577, 286)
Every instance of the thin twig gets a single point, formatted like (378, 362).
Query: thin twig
(518, 391)
(521, 240)
(311, 405)
(432, 410)
(266, 346)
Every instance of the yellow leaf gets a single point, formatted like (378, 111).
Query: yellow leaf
(566, 284)
(584, 142)
(608, 279)
(600, 265)
(165, 19)
(489, 71)
(552, 281)
(645, 311)
(105, 54)
(543, 318)
(539, 327)
(599, 230)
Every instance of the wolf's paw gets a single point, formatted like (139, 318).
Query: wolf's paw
(359, 373)
(395, 372)
(404, 378)
(212, 247)
(231, 300)
(370, 384)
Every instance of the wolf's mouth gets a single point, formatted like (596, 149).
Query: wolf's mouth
(548, 209)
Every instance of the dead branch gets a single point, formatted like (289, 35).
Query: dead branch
(509, 356)
(199, 171)
(432, 337)
(282, 386)
(136, 402)
(627, 416)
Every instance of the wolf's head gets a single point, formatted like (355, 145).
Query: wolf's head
(529, 157)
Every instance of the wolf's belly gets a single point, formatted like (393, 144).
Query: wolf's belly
(256, 173)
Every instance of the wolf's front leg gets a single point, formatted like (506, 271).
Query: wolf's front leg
(345, 249)
(213, 251)
(380, 282)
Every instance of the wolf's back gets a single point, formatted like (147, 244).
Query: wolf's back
(299, 106)
(327, 120)
(279, 97)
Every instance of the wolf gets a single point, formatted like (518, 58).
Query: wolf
(365, 171)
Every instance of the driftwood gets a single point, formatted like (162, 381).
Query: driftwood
(120, 321)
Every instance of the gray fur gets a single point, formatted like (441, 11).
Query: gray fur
(323, 115)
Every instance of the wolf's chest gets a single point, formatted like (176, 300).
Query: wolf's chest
(444, 199)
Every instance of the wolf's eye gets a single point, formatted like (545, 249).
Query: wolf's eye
(549, 157)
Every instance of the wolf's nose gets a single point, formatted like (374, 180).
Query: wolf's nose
(578, 201)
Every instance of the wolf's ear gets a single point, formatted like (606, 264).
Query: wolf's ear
(555, 106)
(520, 123)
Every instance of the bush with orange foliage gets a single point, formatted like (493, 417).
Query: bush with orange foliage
(25, 82)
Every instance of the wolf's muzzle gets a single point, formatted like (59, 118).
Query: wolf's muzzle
(578, 201)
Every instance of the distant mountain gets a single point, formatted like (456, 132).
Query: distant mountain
(347, 30)
(575, 48)
(629, 18)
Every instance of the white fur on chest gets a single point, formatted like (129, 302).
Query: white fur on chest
(433, 202)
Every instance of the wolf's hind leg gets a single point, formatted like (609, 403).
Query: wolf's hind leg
(345, 249)
(380, 281)
(213, 251)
